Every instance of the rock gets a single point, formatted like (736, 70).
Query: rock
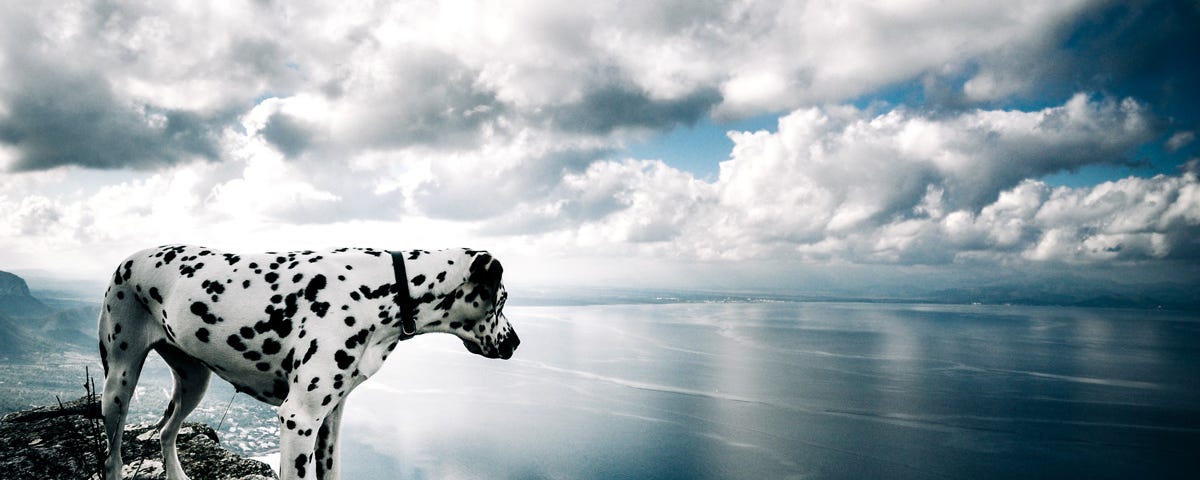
(67, 443)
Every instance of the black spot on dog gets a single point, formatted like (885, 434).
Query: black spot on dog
(378, 292)
(270, 346)
(289, 306)
(247, 332)
(279, 320)
(201, 310)
(213, 287)
(343, 359)
(296, 278)
(120, 295)
(252, 356)
(485, 271)
(357, 339)
(190, 270)
(320, 308)
(202, 334)
(271, 277)
(262, 366)
(418, 280)
(312, 348)
(236, 342)
(104, 357)
(314, 286)
(287, 360)
(154, 295)
(301, 461)
(447, 301)
(349, 321)
(245, 284)
(124, 346)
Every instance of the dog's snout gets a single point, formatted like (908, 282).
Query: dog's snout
(509, 345)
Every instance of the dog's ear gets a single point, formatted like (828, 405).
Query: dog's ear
(486, 271)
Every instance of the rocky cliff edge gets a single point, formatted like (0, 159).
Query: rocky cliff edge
(63, 442)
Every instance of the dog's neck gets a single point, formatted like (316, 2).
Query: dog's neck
(404, 298)
(423, 280)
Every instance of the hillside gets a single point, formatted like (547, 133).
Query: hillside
(16, 342)
(15, 300)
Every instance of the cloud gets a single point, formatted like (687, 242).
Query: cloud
(262, 125)
(610, 107)
(456, 75)
(287, 134)
(832, 186)
(846, 185)
(837, 169)
(55, 117)
(1145, 47)
(503, 175)
(1179, 140)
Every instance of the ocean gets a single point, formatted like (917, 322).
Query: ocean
(782, 390)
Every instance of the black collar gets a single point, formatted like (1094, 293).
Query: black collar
(401, 288)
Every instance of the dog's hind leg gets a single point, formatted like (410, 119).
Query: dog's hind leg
(123, 350)
(191, 381)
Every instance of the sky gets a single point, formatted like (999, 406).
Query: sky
(779, 145)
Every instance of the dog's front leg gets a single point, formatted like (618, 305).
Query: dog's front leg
(300, 419)
(327, 442)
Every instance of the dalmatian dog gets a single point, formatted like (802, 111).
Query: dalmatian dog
(296, 330)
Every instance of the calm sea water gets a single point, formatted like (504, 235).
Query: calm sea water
(792, 390)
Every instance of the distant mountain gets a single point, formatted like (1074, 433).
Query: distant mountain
(15, 300)
(76, 326)
(28, 325)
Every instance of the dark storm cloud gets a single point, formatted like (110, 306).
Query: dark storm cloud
(287, 134)
(608, 108)
(1143, 48)
(55, 117)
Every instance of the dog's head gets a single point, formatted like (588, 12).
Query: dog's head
(476, 311)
